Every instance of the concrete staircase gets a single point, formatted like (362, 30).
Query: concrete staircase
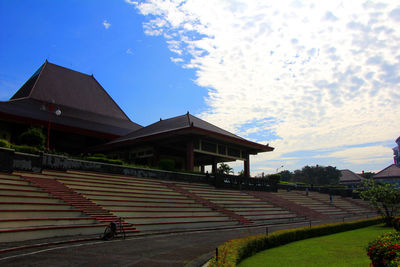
(79, 202)
(29, 212)
(320, 203)
(243, 204)
(149, 204)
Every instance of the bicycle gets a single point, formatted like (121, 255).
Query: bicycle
(113, 229)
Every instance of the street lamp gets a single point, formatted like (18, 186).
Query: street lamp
(277, 169)
(50, 108)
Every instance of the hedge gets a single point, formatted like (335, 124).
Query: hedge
(32, 137)
(236, 250)
(25, 149)
(4, 143)
(104, 160)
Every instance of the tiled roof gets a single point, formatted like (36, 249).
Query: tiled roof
(82, 100)
(392, 171)
(55, 84)
(349, 176)
(185, 122)
(30, 109)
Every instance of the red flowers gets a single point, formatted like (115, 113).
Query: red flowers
(385, 250)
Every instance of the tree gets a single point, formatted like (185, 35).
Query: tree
(224, 169)
(367, 175)
(286, 175)
(318, 175)
(383, 197)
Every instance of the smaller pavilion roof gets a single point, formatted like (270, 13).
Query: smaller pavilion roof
(349, 176)
(186, 124)
(392, 171)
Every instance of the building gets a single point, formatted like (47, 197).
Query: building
(350, 178)
(396, 152)
(78, 116)
(70, 105)
(191, 142)
(390, 174)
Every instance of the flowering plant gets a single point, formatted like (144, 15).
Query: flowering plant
(385, 250)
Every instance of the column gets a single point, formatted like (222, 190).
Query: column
(189, 156)
(246, 165)
(214, 166)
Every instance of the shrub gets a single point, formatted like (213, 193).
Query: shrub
(32, 137)
(233, 251)
(166, 164)
(104, 160)
(274, 178)
(396, 223)
(25, 149)
(4, 143)
(385, 250)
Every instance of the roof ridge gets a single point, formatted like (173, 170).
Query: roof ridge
(37, 79)
(92, 76)
(385, 169)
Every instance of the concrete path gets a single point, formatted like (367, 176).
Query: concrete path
(174, 249)
(179, 249)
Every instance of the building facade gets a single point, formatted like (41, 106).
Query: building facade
(79, 116)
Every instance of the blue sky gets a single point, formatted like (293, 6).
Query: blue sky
(318, 80)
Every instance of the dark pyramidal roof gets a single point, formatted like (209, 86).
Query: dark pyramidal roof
(84, 103)
(55, 84)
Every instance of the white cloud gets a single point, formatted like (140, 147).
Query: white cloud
(131, 2)
(106, 24)
(129, 51)
(363, 155)
(327, 72)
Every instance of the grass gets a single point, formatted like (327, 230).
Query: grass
(342, 249)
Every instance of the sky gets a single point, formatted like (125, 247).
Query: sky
(317, 80)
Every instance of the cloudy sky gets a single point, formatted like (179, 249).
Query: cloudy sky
(317, 80)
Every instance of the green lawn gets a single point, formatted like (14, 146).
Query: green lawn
(342, 249)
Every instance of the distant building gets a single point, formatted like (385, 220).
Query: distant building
(80, 116)
(396, 152)
(391, 174)
(350, 178)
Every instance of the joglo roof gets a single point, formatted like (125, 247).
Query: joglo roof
(82, 100)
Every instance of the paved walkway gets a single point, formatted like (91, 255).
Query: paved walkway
(178, 249)
(174, 249)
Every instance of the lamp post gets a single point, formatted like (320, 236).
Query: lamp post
(277, 169)
(50, 109)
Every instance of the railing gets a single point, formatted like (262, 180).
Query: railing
(242, 183)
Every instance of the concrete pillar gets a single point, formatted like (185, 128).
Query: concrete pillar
(246, 166)
(214, 166)
(189, 156)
